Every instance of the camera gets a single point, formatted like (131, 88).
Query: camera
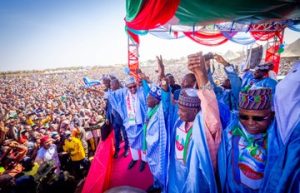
(208, 56)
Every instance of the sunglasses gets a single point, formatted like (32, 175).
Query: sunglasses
(254, 118)
(131, 87)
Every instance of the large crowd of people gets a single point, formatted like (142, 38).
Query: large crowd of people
(43, 119)
(202, 129)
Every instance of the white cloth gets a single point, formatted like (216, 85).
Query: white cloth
(287, 102)
(181, 134)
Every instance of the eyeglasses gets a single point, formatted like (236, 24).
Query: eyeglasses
(254, 118)
(131, 87)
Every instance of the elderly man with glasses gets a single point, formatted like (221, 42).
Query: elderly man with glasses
(130, 103)
(245, 150)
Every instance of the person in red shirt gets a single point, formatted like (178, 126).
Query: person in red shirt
(23, 136)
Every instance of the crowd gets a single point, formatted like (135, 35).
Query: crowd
(217, 130)
(49, 127)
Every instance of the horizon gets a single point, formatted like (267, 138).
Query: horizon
(54, 34)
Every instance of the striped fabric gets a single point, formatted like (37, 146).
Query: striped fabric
(156, 139)
(256, 99)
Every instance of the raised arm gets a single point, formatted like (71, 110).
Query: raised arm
(218, 90)
(165, 96)
(233, 77)
(145, 80)
(161, 67)
(209, 105)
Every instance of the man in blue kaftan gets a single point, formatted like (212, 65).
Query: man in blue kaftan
(194, 136)
(180, 145)
(130, 103)
(249, 143)
(116, 121)
(155, 136)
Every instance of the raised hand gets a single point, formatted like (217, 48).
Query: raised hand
(159, 61)
(144, 77)
(161, 67)
(196, 64)
(220, 59)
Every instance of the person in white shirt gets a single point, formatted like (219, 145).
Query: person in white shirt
(48, 153)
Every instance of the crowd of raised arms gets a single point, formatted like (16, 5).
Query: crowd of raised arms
(242, 135)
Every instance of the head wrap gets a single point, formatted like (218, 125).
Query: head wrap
(189, 98)
(155, 92)
(256, 99)
(129, 80)
(44, 139)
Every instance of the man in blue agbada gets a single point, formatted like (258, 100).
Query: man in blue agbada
(155, 136)
(194, 136)
(283, 175)
(249, 143)
(116, 121)
(130, 103)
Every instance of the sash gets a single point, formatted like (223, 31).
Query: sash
(149, 116)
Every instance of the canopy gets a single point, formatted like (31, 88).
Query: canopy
(214, 22)
(150, 14)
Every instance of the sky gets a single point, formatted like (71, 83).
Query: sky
(43, 34)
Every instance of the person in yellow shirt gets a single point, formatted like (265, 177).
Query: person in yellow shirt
(45, 120)
(30, 166)
(29, 120)
(74, 148)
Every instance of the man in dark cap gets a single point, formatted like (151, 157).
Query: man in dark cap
(194, 136)
(182, 127)
(155, 136)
